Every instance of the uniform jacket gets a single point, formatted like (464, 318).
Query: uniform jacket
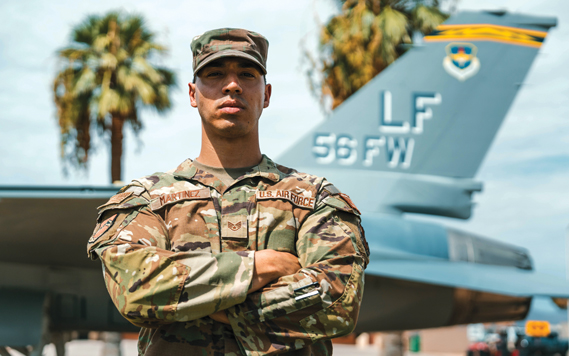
(179, 246)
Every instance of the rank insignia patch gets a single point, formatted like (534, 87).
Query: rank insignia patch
(103, 227)
(461, 61)
(234, 227)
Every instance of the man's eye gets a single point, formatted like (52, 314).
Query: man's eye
(249, 75)
(214, 74)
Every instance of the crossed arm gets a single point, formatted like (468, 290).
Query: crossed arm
(265, 270)
(262, 294)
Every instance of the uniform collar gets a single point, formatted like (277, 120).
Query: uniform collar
(265, 169)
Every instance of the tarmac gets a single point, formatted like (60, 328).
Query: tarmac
(128, 348)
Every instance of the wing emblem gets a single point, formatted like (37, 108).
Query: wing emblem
(461, 61)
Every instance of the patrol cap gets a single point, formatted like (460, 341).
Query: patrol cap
(229, 42)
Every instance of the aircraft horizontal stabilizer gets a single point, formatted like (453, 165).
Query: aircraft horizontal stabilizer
(479, 277)
(430, 253)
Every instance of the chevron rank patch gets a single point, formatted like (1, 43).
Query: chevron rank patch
(234, 227)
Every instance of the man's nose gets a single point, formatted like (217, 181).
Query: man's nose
(232, 85)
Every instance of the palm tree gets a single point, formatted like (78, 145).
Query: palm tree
(364, 39)
(108, 73)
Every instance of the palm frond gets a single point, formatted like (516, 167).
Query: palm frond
(426, 18)
(364, 39)
(105, 72)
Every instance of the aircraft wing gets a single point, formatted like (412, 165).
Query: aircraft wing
(428, 253)
(45, 273)
(478, 277)
(49, 225)
(424, 275)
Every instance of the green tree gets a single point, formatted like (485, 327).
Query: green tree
(363, 40)
(107, 74)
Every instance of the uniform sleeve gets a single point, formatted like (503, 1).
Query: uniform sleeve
(322, 300)
(151, 285)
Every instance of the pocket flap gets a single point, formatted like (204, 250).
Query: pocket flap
(341, 202)
(122, 201)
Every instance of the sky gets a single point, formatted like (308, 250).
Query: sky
(525, 200)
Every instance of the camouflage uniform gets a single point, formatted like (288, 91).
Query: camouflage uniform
(179, 246)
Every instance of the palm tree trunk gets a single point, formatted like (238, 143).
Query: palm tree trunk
(116, 148)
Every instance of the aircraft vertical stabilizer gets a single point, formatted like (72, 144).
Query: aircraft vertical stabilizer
(426, 122)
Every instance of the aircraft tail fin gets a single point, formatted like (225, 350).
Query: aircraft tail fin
(436, 110)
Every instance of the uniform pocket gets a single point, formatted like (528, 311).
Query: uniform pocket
(276, 226)
(193, 226)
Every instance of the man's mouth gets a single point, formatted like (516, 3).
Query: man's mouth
(231, 107)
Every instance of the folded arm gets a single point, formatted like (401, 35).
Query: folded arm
(151, 285)
(319, 301)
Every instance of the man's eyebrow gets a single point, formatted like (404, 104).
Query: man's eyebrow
(215, 63)
(248, 64)
(219, 63)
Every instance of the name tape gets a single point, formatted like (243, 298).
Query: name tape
(179, 196)
(296, 199)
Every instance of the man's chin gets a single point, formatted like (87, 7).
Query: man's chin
(232, 130)
(230, 126)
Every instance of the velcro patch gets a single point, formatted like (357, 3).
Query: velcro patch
(102, 227)
(172, 198)
(116, 199)
(234, 226)
(332, 189)
(136, 190)
(349, 201)
(296, 199)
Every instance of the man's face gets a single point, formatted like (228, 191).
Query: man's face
(230, 94)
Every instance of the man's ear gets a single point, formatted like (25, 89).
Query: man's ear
(193, 100)
(268, 91)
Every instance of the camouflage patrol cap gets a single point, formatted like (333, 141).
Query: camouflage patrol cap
(230, 42)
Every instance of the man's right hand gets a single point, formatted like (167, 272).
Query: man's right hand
(270, 265)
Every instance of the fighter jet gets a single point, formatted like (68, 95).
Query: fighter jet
(410, 141)
(416, 137)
